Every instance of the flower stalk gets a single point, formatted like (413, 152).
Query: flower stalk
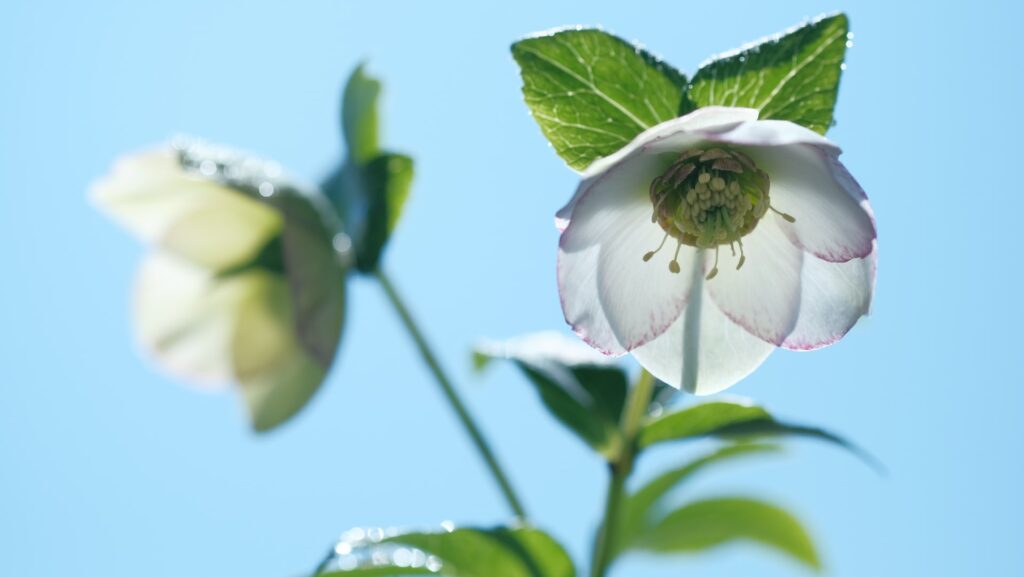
(450, 394)
(620, 469)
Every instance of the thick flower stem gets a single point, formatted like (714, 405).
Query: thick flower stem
(620, 468)
(451, 395)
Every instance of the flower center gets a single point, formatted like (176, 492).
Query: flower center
(708, 198)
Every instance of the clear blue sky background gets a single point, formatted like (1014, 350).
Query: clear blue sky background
(108, 468)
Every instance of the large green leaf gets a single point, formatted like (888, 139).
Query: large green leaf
(580, 388)
(793, 76)
(370, 188)
(500, 552)
(592, 92)
(640, 509)
(702, 525)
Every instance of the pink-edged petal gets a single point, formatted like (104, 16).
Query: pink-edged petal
(764, 295)
(667, 136)
(611, 297)
(833, 218)
(833, 297)
(703, 352)
(581, 305)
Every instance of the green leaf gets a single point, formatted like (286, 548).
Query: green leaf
(359, 116)
(500, 552)
(737, 421)
(580, 388)
(383, 571)
(387, 178)
(698, 420)
(702, 525)
(793, 76)
(592, 92)
(371, 186)
(640, 509)
(772, 428)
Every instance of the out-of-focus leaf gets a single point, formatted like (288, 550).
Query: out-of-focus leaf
(793, 76)
(640, 510)
(582, 389)
(387, 178)
(702, 525)
(359, 116)
(500, 552)
(370, 188)
(592, 92)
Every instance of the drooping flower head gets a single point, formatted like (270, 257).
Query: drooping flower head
(244, 285)
(712, 239)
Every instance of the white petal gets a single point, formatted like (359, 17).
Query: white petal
(833, 218)
(672, 135)
(833, 297)
(544, 347)
(771, 133)
(277, 376)
(764, 295)
(185, 316)
(703, 352)
(611, 297)
(199, 219)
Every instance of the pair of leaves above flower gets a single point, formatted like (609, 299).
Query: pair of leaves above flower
(371, 186)
(583, 390)
(592, 92)
(499, 552)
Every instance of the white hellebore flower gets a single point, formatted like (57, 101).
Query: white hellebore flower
(712, 239)
(243, 285)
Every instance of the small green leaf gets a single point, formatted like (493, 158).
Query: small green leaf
(793, 76)
(698, 420)
(580, 388)
(370, 188)
(592, 92)
(359, 115)
(702, 525)
(499, 552)
(387, 178)
(640, 509)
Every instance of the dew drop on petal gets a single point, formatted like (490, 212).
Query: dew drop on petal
(208, 168)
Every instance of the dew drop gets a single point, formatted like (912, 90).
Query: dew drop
(208, 168)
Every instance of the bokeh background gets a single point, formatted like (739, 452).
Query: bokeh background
(109, 468)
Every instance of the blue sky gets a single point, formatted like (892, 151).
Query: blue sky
(109, 468)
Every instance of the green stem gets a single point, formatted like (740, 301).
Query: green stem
(451, 395)
(620, 468)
